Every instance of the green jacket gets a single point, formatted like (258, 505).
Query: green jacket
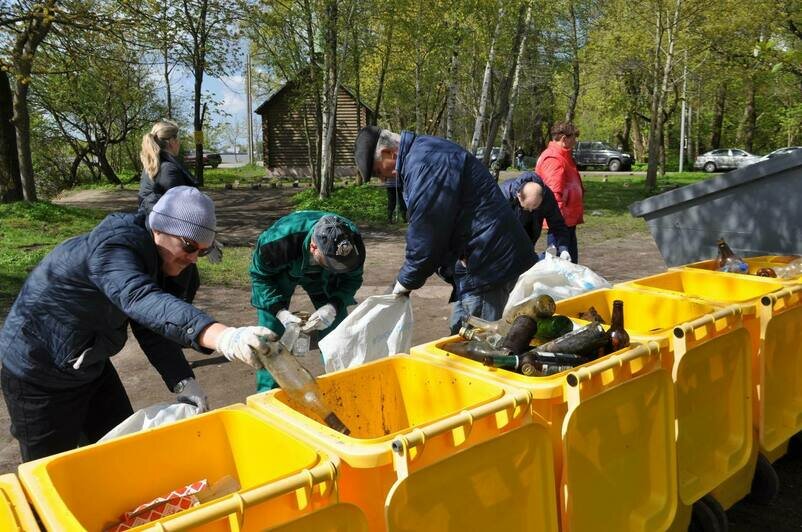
(281, 261)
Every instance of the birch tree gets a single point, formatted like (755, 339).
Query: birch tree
(481, 116)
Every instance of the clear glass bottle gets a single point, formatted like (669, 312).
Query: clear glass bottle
(298, 383)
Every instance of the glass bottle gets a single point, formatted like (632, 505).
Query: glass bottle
(585, 341)
(298, 383)
(554, 327)
(766, 272)
(521, 332)
(509, 362)
(729, 261)
(619, 337)
(474, 350)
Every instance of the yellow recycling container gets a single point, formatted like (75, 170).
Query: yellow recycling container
(281, 479)
(708, 355)
(416, 425)
(612, 430)
(15, 514)
(754, 263)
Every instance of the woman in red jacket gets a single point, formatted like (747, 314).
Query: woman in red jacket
(558, 170)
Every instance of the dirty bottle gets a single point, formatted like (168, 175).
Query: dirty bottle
(729, 261)
(553, 327)
(521, 332)
(510, 362)
(298, 383)
(531, 366)
(469, 332)
(619, 337)
(585, 341)
(474, 350)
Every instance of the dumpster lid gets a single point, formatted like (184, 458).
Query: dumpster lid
(734, 178)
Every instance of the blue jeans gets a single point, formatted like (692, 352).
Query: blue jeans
(573, 247)
(487, 304)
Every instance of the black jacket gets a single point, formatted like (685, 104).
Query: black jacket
(171, 174)
(532, 221)
(80, 299)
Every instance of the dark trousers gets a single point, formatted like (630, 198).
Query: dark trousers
(573, 247)
(47, 421)
(395, 197)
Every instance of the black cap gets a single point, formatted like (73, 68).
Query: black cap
(365, 148)
(342, 249)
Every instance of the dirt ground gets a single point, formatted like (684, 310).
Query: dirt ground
(243, 214)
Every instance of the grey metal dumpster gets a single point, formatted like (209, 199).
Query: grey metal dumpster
(757, 209)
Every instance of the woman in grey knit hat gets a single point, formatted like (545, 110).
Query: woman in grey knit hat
(73, 312)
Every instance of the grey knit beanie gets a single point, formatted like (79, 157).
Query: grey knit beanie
(187, 212)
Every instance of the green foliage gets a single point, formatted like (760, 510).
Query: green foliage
(28, 231)
(232, 271)
(360, 204)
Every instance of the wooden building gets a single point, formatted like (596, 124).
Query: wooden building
(288, 131)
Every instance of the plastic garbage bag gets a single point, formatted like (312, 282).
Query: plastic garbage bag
(152, 416)
(556, 277)
(378, 327)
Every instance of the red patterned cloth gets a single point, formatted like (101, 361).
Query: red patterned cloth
(174, 502)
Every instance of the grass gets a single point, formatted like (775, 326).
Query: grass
(231, 272)
(213, 178)
(365, 204)
(28, 231)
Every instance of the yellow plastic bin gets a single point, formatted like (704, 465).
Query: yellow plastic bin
(416, 425)
(754, 263)
(281, 479)
(708, 355)
(15, 514)
(612, 430)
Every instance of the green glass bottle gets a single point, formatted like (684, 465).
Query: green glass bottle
(510, 362)
(553, 327)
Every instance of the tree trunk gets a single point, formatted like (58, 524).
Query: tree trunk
(314, 159)
(637, 139)
(520, 38)
(383, 72)
(746, 133)
(451, 94)
(718, 116)
(165, 54)
(482, 115)
(623, 135)
(574, 96)
(10, 181)
(105, 167)
(329, 99)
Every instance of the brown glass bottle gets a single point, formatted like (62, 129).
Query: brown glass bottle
(728, 261)
(619, 338)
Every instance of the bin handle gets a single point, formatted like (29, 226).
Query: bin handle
(401, 445)
(690, 327)
(575, 378)
(237, 502)
(770, 299)
(682, 331)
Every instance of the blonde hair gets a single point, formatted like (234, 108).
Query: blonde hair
(154, 142)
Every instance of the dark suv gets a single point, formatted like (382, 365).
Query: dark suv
(209, 159)
(596, 153)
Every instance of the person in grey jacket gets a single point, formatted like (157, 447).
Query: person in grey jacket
(73, 312)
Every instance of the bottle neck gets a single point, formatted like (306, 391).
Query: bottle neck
(617, 318)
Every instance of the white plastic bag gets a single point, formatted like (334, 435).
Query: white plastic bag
(556, 277)
(378, 327)
(152, 416)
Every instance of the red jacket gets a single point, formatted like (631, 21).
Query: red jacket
(557, 168)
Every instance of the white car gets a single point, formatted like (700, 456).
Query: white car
(781, 151)
(724, 159)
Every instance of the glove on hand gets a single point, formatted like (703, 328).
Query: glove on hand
(400, 290)
(286, 317)
(189, 391)
(564, 255)
(321, 319)
(242, 343)
(215, 255)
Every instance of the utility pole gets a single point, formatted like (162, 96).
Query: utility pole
(249, 107)
(682, 118)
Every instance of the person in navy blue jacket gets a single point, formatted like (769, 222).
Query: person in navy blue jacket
(532, 202)
(457, 216)
(73, 312)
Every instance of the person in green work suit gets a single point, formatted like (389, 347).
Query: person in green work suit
(320, 251)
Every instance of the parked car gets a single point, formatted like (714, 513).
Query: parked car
(480, 152)
(781, 151)
(595, 153)
(724, 159)
(209, 159)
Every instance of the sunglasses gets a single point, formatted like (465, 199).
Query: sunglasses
(191, 247)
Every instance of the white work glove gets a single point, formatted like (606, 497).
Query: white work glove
(320, 319)
(189, 391)
(286, 317)
(215, 256)
(240, 343)
(564, 255)
(400, 290)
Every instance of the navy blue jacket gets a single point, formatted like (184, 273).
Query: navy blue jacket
(456, 212)
(532, 221)
(80, 299)
(171, 174)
